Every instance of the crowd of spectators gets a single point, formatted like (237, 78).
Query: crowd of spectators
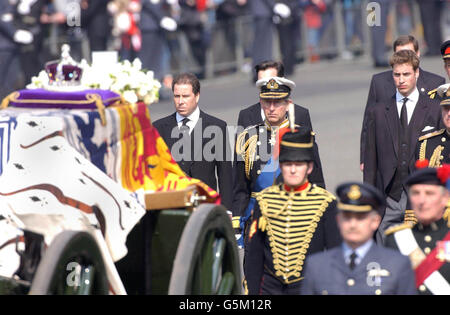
(171, 36)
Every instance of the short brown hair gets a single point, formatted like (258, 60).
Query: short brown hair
(405, 40)
(187, 78)
(405, 56)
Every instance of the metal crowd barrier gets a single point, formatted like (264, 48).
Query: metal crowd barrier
(230, 43)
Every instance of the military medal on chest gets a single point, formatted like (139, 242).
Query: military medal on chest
(273, 137)
(443, 251)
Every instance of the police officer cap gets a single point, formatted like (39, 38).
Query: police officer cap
(275, 87)
(360, 197)
(445, 49)
(297, 146)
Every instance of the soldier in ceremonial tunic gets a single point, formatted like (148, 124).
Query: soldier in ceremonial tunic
(358, 266)
(434, 146)
(427, 243)
(256, 164)
(290, 221)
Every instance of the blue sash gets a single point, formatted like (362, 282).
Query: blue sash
(267, 178)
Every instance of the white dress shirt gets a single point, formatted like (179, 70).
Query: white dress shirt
(193, 119)
(413, 98)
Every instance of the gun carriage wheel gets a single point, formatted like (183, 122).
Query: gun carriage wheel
(72, 264)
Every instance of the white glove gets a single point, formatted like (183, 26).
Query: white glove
(23, 37)
(168, 24)
(282, 10)
(123, 22)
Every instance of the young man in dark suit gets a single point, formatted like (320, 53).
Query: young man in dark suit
(393, 127)
(358, 266)
(382, 85)
(198, 142)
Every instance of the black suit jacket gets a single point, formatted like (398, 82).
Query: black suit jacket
(197, 165)
(251, 116)
(7, 28)
(95, 18)
(381, 150)
(382, 87)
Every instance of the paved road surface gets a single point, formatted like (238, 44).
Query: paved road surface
(335, 93)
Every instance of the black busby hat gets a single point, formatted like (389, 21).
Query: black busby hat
(360, 197)
(427, 175)
(297, 146)
(445, 49)
(275, 88)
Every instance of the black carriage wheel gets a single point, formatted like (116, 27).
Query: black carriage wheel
(72, 264)
(207, 259)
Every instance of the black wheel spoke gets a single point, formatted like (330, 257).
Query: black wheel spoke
(226, 284)
(86, 280)
(206, 263)
(218, 252)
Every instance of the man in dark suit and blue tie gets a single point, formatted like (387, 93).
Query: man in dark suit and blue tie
(358, 266)
(393, 129)
(198, 141)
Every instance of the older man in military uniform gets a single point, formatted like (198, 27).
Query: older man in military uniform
(427, 243)
(256, 164)
(290, 221)
(358, 266)
(435, 146)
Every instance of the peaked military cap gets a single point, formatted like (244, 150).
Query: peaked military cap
(359, 197)
(297, 146)
(446, 97)
(445, 49)
(275, 88)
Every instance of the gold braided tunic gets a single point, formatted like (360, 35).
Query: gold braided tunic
(286, 227)
(435, 147)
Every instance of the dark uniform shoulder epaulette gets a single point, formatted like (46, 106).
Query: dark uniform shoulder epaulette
(431, 134)
(398, 227)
